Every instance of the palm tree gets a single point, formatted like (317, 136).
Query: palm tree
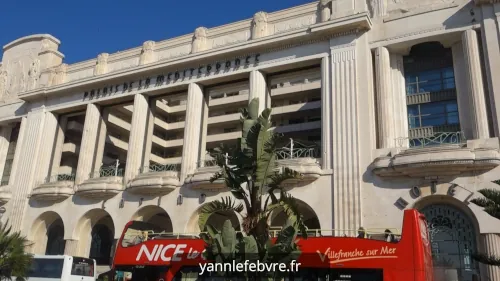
(491, 205)
(14, 261)
(253, 163)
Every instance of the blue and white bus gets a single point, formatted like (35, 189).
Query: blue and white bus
(61, 268)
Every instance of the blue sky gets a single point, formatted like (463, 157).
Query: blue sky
(89, 27)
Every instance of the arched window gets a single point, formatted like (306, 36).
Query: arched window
(100, 247)
(55, 240)
(453, 240)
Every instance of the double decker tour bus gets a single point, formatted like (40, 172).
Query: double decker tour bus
(144, 253)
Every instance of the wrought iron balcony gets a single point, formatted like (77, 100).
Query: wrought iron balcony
(155, 168)
(295, 149)
(436, 139)
(110, 171)
(61, 177)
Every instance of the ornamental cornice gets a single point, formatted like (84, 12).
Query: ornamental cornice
(303, 36)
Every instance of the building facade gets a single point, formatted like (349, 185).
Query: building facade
(386, 105)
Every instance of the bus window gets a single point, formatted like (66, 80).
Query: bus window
(46, 268)
(82, 267)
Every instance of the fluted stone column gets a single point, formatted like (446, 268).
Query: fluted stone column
(5, 132)
(89, 143)
(101, 140)
(71, 247)
(36, 140)
(326, 140)
(491, 242)
(137, 139)
(192, 130)
(479, 116)
(385, 99)
(258, 89)
(462, 88)
(399, 97)
(352, 126)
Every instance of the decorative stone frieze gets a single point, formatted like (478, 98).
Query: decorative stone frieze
(33, 74)
(147, 53)
(199, 43)
(259, 25)
(101, 66)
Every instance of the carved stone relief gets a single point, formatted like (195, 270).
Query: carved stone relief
(33, 74)
(60, 74)
(259, 25)
(325, 7)
(3, 83)
(102, 64)
(147, 54)
(199, 40)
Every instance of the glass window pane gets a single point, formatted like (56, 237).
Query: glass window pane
(452, 106)
(413, 110)
(448, 72)
(452, 118)
(432, 108)
(449, 83)
(429, 75)
(411, 78)
(433, 120)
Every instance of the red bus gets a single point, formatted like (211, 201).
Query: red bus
(144, 253)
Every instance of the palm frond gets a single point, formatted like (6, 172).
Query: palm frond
(279, 177)
(491, 194)
(289, 205)
(220, 206)
(14, 261)
(485, 259)
(482, 202)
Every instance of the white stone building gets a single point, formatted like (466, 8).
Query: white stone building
(388, 104)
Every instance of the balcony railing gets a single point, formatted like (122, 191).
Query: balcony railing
(295, 149)
(155, 168)
(437, 139)
(61, 177)
(108, 171)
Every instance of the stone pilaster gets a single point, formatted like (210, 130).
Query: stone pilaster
(71, 248)
(101, 140)
(385, 100)
(5, 132)
(136, 143)
(149, 132)
(58, 146)
(33, 144)
(49, 134)
(479, 115)
(89, 142)
(491, 45)
(192, 131)
(326, 138)
(491, 243)
(399, 96)
(258, 89)
(352, 126)
(462, 88)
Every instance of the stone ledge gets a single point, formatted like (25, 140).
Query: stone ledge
(477, 155)
(5, 194)
(155, 183)
(100, 188)
(201, 179)
(53, 191)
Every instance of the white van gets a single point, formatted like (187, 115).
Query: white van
(61, 268)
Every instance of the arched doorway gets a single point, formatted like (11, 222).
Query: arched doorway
(453, 239)
(47, 235)
(279, 218)
(156, 216)
(55, 239)
(102, 240)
